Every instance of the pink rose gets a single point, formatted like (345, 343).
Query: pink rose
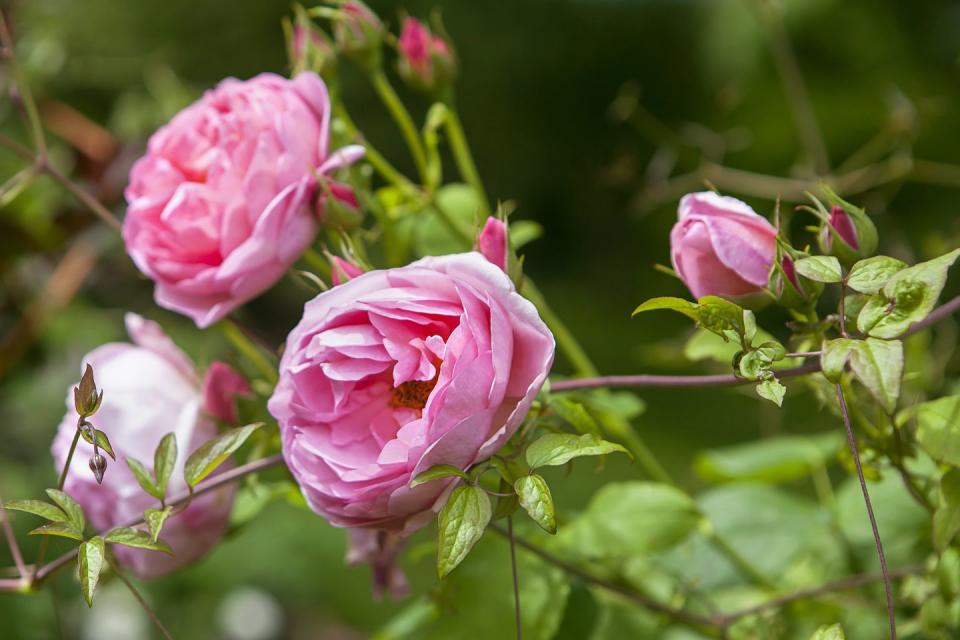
(399, 370)
(150, 388)
(721, 247)
(220, 206)
(492, 242)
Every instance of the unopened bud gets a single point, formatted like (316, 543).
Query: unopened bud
(792, 290)
(308, 47)
(426, 62)
(86, 398)
(359, 33)
(98, 465)
(847, 232)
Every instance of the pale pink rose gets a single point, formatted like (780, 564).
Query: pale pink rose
(150, 388)
(399, 370)
(492, 242)
(721, 247)
(220, 206)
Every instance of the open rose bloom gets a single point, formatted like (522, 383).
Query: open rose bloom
(222, 203)
(399, 370)
(150, 388)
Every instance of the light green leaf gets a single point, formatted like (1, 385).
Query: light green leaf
(155, 519)
(834, 358)
(90, 559)
(779, 459)
(772, 390)
(820, 269)
(130, 537)
(878, 364)
(101, 439)
(555, 449)
(870, 275)
(908, 297)
(213, 453)
(946, 519)
(436, 472)
(719, 315)
(575, 414)
(829, 632)
(687, 308)
(61, 529)
(462, 523)
(534, 496)
(37, 508)
(144, 477)
(70, 507)
(164, 460)
(938, 429)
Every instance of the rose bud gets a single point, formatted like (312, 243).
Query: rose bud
(847, 233)
(721, 247)
(343, 270)
(399, 370)
(150, 389)
(308, 47)
(426, 61)
(359, 33)
(339, 206)
(221, 205)
(792, 290)
(493, 242)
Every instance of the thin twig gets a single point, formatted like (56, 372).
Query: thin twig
(887, 586)
(516, 579)
(136, 594)
(12, 542)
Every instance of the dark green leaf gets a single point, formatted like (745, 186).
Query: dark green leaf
(555, 449)
(90, 559)
(824, 269)
(870, 275)
(436, 472)
(70, 507)
(101, 439)
(155, 519)
(213, 453)
(534, 496)
(130, 537)
(462, 522)
(506, 504)
(37, 508)
(164, 460)
(144, 477)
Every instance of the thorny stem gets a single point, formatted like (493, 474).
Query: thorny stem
(887, 586)
(136, 594)
(516, 579)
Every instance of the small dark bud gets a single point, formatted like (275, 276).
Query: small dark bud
(98, 464)
(86, 398)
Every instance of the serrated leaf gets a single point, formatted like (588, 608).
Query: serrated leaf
(144, 477)
(907, 298)
(938, 429)
(130, 537)
(436, 472)
(534, 496)
(871, 274)
(213, 453)
(37, 508)
(575, 414)
(103, 442)
(829, 632)
(687, 308)
(461, 524)
(61, 529)
(824, 269)
(772, 390)
(164, 460)
(555, 449)
(155, 519)
(90, 559)
(70, 507)
(946, 519)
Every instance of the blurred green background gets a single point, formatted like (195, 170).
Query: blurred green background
(576, 111)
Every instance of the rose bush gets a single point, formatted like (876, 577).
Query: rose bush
(398, 370)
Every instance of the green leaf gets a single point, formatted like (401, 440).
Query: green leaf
(908, 297)
(213, 453)
(70, 507)
(938, 429)
(130, 537)
(772, 390)
(101, 439)
(164, 460)
(687, 308)
(870, 275)
(878, 364)
(144, 477)
(834, 358)
(555, 449)
(575, 414)
(61, 529)
(946, 519)
(37, 508)
(90, 559)
(829, 632)
(462, 522)
(436, 472)
(820, 269)
(534, 496)
(506, 504)
(779, 459)
(155, 519)
(719, 315)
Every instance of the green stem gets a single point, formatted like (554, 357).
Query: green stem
(374, 157)
(317, 262)
(250, 351)
(463, 157)
(402, 117)
(136, 594)
(42, 549)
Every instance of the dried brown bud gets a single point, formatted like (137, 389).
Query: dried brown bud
(98, 464)
(86, 398)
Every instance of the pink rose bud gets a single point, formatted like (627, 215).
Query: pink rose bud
(359, 33)
(492, 242)
(221, 387)
(848, 232)
(220, 206)
(399, 370)
(339, 206)
(790, 289)
(426, 61)
(308, 47)
(150, 388)
(343, 270)
(721, 247)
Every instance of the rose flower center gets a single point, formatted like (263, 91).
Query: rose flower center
(412, 394)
